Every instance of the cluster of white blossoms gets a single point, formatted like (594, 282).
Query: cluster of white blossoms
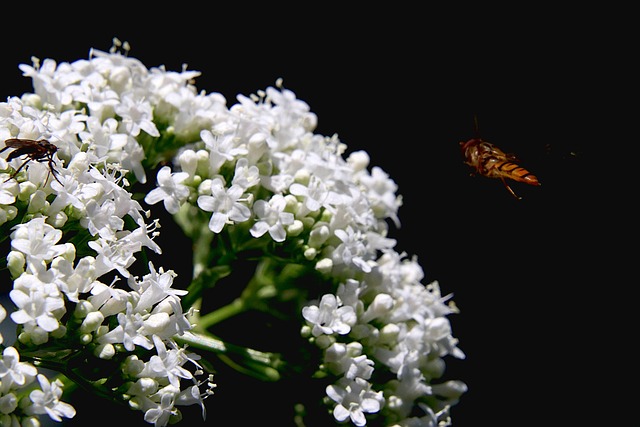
(248, 183)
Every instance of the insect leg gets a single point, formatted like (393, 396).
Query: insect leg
(53, 171)
(510, 190)
(13, 175)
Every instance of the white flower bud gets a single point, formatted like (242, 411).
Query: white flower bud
(335, 353)
(309, 121)
(380, 306)
(318, 236)
(69, 252)
(354, 349)
(101, 331)
(132, 366)
(325, 341)
(105, 351)
(83, 307)
(143, 387)
(33, 100)
(302, 176)
(136, 403)
(120, 79)
(359, 160)
(27, 188)
(91, 322)
(203, 163)
(37, 202)
(188, 161)
(389, 334)
(157, 323)
(295, 229)
(37, 336)
(58, 219)
(79, 163)
(86, 338)
(450, 389)
(15, 263)
(325, 265)
(204, 189)
(59, 332)
(30, 422)
(305, 331)
(8, 403)
(7, 213)
(310, 253)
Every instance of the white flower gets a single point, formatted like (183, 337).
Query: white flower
(352, 249)
(226, 205)
(271, 218)
(328, 317)
(102, 219)
(167, 364)
(315, 195)
(381, 193)
(8, 190)
(159, 414)
(37, 241)
(13, 373)
(39, 304)
(47, 400)
(221, 149)
(136, 115)
(354, 398)
(170, 190)
(128, 331)
(119, 254)
(245, 176)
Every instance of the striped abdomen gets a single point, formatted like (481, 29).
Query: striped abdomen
(497, 168)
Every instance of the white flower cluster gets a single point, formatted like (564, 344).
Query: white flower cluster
(70, 233)
(255, 171)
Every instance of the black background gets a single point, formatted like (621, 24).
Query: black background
(404, 85)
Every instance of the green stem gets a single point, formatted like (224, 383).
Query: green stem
(256, 363)
(237, 306)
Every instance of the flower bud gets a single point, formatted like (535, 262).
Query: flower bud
(58, 220)
(380, 306)
(8, 403)
(310, 253)
(325, 341)
(105, 351)
(86, 338)
(15, 263)
(83, 307)
(325, 265)
(91, 322)
(188, 162)
(295, 229)
(157, 323)
(318, 236)
(37, 202)
(389, 334)
(59, 332)
(27, 188)
(359, 160)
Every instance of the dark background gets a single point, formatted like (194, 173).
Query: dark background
(404, 85)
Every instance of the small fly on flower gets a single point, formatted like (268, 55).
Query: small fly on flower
(39, 150)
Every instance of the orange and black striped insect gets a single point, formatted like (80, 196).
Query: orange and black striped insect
(39, 150)
(488, 160)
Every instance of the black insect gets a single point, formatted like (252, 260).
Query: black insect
(39, 150)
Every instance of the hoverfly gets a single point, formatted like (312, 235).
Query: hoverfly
(39, 150)
(488, 160)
